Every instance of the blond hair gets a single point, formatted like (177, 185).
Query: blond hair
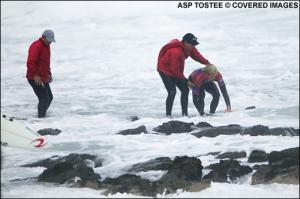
(211, 70)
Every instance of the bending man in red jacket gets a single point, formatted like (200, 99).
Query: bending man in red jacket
(170, 66)
(201, 80)
(38, 70)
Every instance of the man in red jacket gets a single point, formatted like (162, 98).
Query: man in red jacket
(170, 66)
(38, 70)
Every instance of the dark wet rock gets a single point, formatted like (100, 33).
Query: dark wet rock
(284, 131)
(183, 172)
(283, 167)
(134, 118)
(297, 132)
(174, 127)
(259, 166)
(162, 163)
(186, 168)
(136, 131)
(49, 131)
(250, 107)
(286, 157)
(199, 186)
(258, 156)
(226, 169)
(274, 174)
(231, 129)
(257, 130)
(232, 155)
(214, 153)
(128, 183)
(63, 172)
(203, 125)
(73, 158)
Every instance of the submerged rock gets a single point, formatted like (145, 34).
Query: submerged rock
(258, 156)
(283, 167)
(136, 131)
(174, 127)
(232, 155)
(162, 163)
(49, 131)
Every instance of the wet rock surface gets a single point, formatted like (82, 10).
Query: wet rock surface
(174, 127)
(283, 167)
(72, 158)
(232, 155)
(226, 170)
(135, 131)
(49, 131)
(258, 156)
(216, 131)
(203, 125)
(162, 163)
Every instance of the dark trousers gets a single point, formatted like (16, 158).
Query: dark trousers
(198, 100)
(44, 95)
(171, 83)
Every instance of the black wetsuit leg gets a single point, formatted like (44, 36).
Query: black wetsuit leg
(170, 84)
(199, 100)
(184, 99)
(212, 89)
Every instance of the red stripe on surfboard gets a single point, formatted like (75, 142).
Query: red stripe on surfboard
(41, 142)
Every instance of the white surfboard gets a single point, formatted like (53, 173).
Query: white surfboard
(16, 134)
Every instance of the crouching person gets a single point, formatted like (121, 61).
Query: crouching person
(202, 80)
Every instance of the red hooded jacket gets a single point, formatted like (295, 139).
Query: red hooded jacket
(38, 61)
(172, 56)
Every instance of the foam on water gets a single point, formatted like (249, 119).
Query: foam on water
(104, 70)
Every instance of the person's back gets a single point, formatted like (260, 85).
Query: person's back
(38, 61)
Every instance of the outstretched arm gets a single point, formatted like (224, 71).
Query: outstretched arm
(224, 92)
(196, 55)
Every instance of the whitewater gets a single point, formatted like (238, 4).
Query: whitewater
(104, 71)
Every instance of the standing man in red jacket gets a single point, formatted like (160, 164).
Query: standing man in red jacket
(38, 70)
(170, 66)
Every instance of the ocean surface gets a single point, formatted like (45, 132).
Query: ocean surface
(104, 71)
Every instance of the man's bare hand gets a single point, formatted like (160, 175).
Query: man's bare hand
(38, 81)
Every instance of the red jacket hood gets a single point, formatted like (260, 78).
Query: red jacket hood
(175, 43)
